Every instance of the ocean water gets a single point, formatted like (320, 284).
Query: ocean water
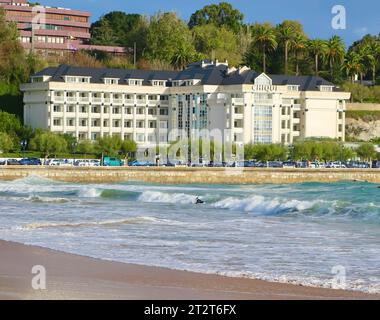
(298, 233)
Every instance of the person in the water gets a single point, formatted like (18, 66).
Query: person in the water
(198, 201)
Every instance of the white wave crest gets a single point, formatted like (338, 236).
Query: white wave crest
(63, 224)
(89, 193)
(161, 197)
(260, 205)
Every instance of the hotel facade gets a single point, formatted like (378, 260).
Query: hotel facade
(145, 106)
(52, 29)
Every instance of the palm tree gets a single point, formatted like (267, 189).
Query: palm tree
(299, 47)
(286, 34)
(264, 37)
(182, 57)
(335, 52)
(354, 65)
(372, 56)
(317, 48)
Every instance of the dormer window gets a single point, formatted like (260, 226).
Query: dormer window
(111, 80)
(293, 88)
(135, 82)
(72, 79)
(158, 83)
(177, 83)
(326, 88)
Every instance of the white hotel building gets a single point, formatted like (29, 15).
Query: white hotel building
(145, 105)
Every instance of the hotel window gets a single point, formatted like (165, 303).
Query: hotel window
(105, 109)
(82, 109)
(164, 98)
(153, 97)
(340, 115)
(83, 122)
(340, 128)
(95, 109)
(111, 81)
(116, 110)
(57, 122)
(116, 123)
(70, 108)
(140, 124)
(70, 122)
(57, 108)
(140, 137)
(128, 124)
(151, 137)
(158, 83)
(94, 136)
(95, 123)
(152, 111)
(164, 111)
(140, 111)
(82, 136)
(135, 82)
(152, 124)
(128, 136)
(105, 123)
(326, 88)
(163, 124)
(293, 88)
(128, 110)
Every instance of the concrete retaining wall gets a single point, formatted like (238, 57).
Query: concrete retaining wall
(363, 106)
(191, 175)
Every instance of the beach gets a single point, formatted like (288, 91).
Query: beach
(259, 241)
(71, 276)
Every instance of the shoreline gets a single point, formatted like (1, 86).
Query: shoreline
(70, 276)
(164, 175)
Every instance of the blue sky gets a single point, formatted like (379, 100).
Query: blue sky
(363, 16)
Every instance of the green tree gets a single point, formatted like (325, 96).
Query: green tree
(9, 123)
(317, 48)
(300, 48)
(286, 34)
(217, 43)
(264, 38)
(222, 14)
(334, 54)
(166, 33)
(6, 142)
(366, 151)
(86, 147)
(48, 143)
(128, 149)
(109, 145)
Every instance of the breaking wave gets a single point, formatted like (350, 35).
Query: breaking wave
(260, 205)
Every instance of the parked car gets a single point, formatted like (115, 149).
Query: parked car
(289, 164)
(275, 164)
(112, 162)
(30, 162)
(12, 162)
(137, 163)
(3, 162)
(376, 164)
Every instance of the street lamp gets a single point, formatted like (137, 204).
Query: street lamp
(23, 144)
(74, 148)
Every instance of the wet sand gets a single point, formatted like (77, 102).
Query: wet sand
(71, 276)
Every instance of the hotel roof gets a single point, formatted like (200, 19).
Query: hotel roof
(208, 73)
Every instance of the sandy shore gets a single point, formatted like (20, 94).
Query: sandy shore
(76, 277)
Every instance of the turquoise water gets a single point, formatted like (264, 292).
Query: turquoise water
(287, 233)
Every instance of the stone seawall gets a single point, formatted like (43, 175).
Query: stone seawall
(190, 175)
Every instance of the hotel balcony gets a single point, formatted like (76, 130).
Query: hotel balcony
(141, 102)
